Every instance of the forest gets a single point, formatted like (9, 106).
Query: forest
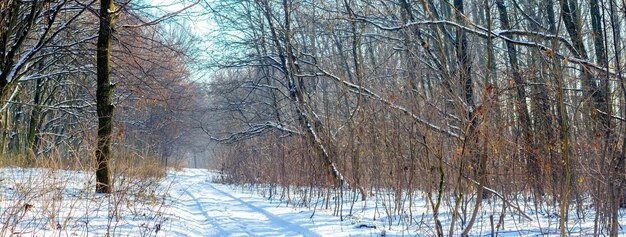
(458, 102)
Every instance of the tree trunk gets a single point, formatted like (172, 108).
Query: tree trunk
(482, 163)
(33, 125)
(616, 184)
(103, 97)
(467, 92)
(522, 105)
(572, 21)
(296, 89)
(465, 64)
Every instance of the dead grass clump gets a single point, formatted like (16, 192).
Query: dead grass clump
(138, 165)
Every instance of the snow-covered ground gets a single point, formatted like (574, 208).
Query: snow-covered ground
(43, 202)
(209, 209)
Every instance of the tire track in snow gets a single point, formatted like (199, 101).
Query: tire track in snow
(197, 207)
(271, 217)
(200, 208)
(220, 220)
(189, 209)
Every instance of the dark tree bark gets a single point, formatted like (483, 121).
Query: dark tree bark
(603, 85)
(13, 33)
(104, 92)
(465, 64)
(33, 126)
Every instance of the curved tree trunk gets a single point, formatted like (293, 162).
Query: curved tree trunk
(296, 89)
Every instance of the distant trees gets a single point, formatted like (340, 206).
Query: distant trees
(452, 98)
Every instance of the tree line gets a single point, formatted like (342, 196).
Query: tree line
(458, 100)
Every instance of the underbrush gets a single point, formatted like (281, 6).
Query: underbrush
(54, 195)
(402, 212)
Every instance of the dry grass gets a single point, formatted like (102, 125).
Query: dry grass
(55, 193)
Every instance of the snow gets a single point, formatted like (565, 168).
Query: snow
(44, 202)
(210, 209)
(188, 202)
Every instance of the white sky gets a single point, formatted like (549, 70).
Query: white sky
(197, 20)
(195, 16)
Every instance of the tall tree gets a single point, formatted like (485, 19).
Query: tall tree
(521, 105)
(618, 162)
(104, 93)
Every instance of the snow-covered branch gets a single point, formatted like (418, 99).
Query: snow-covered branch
(504, 35)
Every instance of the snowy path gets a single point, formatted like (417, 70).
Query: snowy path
(205, 210)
